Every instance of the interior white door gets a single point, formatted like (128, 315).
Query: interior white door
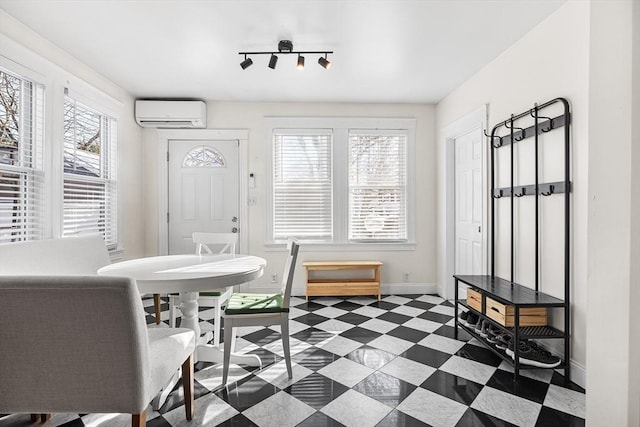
(203, 190)
(468, 204)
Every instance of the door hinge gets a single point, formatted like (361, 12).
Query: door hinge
(167, 217)
(167, 156)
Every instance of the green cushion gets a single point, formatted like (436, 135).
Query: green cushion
(254, 303)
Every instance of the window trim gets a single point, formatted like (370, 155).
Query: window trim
(340, 127)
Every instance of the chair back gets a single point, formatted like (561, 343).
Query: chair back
(215, 243)
(81, 255)
(72, 344)
(289, 269)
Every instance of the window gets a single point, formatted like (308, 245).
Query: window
(302, 185)
(377, 186)
(89, 195)
(343, 181)
(21, 168)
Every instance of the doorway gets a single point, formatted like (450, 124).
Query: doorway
(465, 245)
(203, 190)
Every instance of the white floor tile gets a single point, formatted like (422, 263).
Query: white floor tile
(346, 372)
(438, 342)
(408, 370)
(507, 407)
(391, 344)
(469, 369)
(432, 408)
(339, 345)
(279, 410)
(357, 410)
(378, 325)
(423, 325)
(565, 400)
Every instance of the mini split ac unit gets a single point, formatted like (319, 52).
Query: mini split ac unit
(171, 114)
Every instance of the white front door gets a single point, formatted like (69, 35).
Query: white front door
(468, 204)
(203, 190)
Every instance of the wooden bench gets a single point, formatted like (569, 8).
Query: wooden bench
(325, 285)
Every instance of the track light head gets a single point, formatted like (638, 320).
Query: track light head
(300, 62)
(246, 63)
(324, 62)
(273, 61)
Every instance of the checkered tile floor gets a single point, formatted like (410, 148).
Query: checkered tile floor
(362, 362)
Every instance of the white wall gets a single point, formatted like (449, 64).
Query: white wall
(420, 263)
(613, 393)
(550, 61)
(59, 70)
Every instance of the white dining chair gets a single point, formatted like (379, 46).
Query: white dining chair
(245, 309)
(58, 355)
(209, 243)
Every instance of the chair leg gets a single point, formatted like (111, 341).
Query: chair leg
(139, 420)
(228, 333)
(172, 311)
(216, 319)
(156, 304)
(45, 417)
(284, 329)
(187, 386)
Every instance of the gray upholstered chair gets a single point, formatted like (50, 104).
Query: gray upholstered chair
(58, 354)
(244, 309)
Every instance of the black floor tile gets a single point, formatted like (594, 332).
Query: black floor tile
(311, 319)
(408, 334)
(265, 356)
(360, 334)
(315, 358)
(384, 388)
(158, 422)
(400, 419)
(559, 380)
(238, 420)
(479, 354)
(475, 418)
(448, 331)
(353, 318)
(310, 306)
(420, 304)
(312, 335)
(550, 417)
(73, 423)
(262, 337)
(426, 356)
(373, 358)
(316, 390)
(451, 386)
(395, 318)
(526, 387)
(347, 305)
(318, 419)
(247, 392)
(384, 305)
(435, 317)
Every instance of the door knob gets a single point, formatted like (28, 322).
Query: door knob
(234, 219)
(234, 230)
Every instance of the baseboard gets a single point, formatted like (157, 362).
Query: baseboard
(386, 288)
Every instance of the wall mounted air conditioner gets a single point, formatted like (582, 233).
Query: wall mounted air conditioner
(171, 114)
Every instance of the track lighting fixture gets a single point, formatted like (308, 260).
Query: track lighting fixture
(246, 63)
(273, 61)
(324, 62)
(285, 47)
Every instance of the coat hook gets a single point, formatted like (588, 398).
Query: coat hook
(497, 193)
(520, 193)
(494, 144)
(549, 119)
(548, 192)
(514, 128)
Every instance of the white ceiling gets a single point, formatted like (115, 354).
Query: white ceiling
(385, 51)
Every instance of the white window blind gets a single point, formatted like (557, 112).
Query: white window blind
(377, 186)
(90, 196)
(302, 185)
(21, 169)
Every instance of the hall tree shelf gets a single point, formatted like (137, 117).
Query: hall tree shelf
(504, 136)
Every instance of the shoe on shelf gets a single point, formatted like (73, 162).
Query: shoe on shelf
(463, 317)
(472, 319)
(503, 341)
(484, 330)
(493, 334)
(533, 355)
(478, 326)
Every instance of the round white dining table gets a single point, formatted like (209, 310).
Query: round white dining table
(187, 275)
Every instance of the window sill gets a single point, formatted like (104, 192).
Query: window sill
(346, 247)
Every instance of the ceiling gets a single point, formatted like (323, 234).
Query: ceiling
(395, 51)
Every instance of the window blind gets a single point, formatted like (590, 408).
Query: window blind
(302, 185)
(21, 171)
(377, 186)
(90, 187)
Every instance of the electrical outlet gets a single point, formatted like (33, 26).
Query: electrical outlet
(405, 277)
(253, 200)
(274, 278)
